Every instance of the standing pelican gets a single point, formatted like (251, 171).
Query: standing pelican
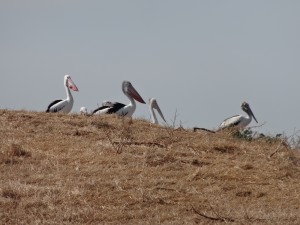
(120, 108)
(66, 104)
(153, 105)
(239, 121)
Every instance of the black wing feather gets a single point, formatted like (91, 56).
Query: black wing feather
(52, 103)
(234, 124)
(116, 106)
(100, 108)
(112, 107)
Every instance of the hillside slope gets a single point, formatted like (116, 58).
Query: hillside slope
(72, 169)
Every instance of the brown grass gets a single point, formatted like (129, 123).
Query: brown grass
(72, 169)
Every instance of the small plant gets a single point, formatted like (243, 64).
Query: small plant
(172, 130)
(18, 151)
(269, 138)
(246, 134)
(10, 193)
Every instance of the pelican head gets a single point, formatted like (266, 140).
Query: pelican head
(83, 111)
(153, 105)
(107, 103)
(246, 107)
(129, 90)
(70, 84)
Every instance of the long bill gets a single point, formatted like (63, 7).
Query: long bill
(250, 111)
(133, 93)
(159, 111)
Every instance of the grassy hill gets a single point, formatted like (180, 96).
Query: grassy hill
(72, 169)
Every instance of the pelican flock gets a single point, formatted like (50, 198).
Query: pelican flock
(108, 107)
(66, 104)
(153, 105)
(239, 121)
(120, 108)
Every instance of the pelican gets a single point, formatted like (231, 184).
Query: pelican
(83, 111)
(120, 108)
(153, 105)
(66, 104)
(239, 121)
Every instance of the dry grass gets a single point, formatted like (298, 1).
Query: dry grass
(71, 169)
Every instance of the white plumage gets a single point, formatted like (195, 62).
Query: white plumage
(65, 105)
(239, 121)
(153, 105)
(83, 111)
(120, 108)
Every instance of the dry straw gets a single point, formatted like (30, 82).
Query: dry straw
(73, 169)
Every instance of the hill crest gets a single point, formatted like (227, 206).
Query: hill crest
(73, 169)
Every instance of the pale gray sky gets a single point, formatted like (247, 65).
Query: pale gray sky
(201, 58)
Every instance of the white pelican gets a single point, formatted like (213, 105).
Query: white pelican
(239, 121)
(153, 105)
(83, 111)
(120, 108)
(66, 104)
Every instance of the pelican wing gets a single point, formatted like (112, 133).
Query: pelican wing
(231, 121)
(109, 108)
(51, 105)
(116, 105)
(98, 110)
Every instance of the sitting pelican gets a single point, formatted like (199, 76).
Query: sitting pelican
(153, 105)
(120, 108)
(239, 121)
(66, 104)
(83, 111)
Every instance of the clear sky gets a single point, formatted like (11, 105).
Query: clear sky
(199, 58)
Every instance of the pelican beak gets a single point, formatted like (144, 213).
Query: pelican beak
(253, 115)
(72, 85)
(133, 93)
(159, 111)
